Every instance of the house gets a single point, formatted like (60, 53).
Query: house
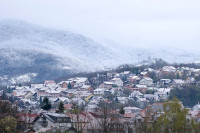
(42, 92)
(51, 120)
(146, 81)
(195, 70)
(61, 89)
(99, 91)
(87, 88)
(96, 100)
(69, 93)
(54, 93)
(169, 69)
(64, 99)
(136, 94)
(141, 88)
(85, 95)
(164, 82)
(106, 84)
(18, 93)
(122, 100)
(37, 86)
(185, 70)
(117, 81)
(177, 82)
(132, 110)
(151, 97)
(137, 118)
(79, 81)
(54, 102)
(28, 95)
(190, 81)
(64, 84)
(196, 107)
(195, 115)
(128, 116)
(134, 79)
(24, 103)
(125, 74)
(144, 73)
(151, 113)
(163, 93)
(49, 82)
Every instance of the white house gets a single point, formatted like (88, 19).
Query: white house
(79, 81)
(136, 94)
(51, 120)
(117, 81)
(54, 93)
(132, 110)
(169, 69)
(196, 107)
(178, 82)
(165, 81)
(122, 100)
(99, 91)
(152, 97)
(146, 81)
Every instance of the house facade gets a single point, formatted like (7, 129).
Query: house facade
(51, 120)
(146, 81)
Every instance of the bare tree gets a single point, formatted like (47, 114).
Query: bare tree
(108, 120)
(79, 117)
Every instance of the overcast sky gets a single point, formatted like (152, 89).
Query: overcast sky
(143, 23)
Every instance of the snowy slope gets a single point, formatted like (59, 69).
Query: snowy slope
(20, 35)
(26, 48)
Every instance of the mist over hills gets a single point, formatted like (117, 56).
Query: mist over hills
(30, 52)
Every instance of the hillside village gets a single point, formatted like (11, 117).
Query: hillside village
(130, 98)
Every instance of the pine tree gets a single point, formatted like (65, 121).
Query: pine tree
(121, 111)
(116, 100)
(46, 105)
(69, 86)
(61, 107)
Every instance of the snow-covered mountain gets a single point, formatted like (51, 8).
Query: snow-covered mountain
(43, 53)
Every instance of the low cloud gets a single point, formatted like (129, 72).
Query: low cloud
(139, 23)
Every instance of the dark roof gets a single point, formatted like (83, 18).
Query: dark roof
(51, 116)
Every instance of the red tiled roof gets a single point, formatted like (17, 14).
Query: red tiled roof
(27, 115)
(129, 115)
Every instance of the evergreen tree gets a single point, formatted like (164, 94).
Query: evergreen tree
(69, 86)
(75, 108)
(46, 105)
(116, 100)
(4, 96)
(121, 111)
(61, 107)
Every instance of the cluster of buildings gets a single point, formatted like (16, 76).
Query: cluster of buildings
(149, 86)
